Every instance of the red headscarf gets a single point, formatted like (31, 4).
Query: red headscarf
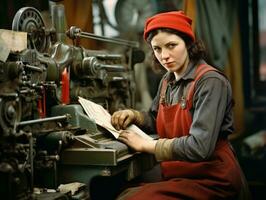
(176, 20)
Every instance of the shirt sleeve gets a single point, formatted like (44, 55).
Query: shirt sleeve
(212, 95)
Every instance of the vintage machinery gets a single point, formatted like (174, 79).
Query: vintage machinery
(46, 139)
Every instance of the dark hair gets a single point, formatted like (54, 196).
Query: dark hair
(196, 50)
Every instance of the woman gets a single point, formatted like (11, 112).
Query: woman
(192, 114)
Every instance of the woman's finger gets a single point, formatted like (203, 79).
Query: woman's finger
(122, 118)
(115, 119)
(123, 139)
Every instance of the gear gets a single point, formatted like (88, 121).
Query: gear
(29, 19)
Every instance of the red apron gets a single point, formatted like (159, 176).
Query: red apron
(217, 178)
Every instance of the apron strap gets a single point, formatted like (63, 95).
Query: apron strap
(200, 71)
(163, 91)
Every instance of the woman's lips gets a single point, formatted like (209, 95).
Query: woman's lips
(169, 64)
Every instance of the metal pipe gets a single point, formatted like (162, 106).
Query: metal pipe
(31, 162)
(75, 32)
(36, 121)
(33, 68)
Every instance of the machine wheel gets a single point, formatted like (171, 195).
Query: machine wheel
(29, 19)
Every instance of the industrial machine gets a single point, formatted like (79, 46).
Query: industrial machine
(49, 147)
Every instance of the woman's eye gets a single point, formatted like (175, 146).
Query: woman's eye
(156, 49)
(171, 46)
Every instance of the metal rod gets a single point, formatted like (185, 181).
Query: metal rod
(75, 32)
(113, 68)
(31, 162)
(34, 68)
(35, 121)
(106, 39)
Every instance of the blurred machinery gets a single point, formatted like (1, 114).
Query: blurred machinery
(49, 148)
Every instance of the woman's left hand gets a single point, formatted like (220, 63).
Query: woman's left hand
(137, 142)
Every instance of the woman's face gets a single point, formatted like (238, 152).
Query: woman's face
(171, 52)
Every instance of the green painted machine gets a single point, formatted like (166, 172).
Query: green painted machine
(49, 147)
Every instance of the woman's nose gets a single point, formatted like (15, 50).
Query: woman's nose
(165, 54)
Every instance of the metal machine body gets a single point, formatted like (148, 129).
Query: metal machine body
(46, 139)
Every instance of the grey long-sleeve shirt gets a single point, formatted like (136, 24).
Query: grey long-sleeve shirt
(211, 114)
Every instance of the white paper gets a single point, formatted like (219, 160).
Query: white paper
(15, 41)
(4, 50)
(103, 118)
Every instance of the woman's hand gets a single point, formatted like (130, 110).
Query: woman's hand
(123, 118)
(137, 142)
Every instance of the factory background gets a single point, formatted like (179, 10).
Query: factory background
(235, 36)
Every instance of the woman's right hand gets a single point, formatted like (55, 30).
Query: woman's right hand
(123, 118)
